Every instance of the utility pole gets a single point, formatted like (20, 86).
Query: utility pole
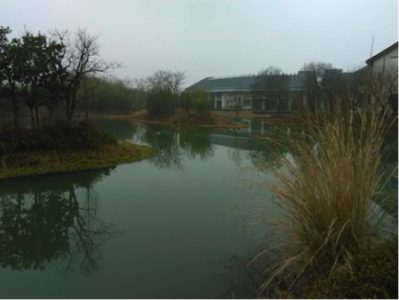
(372, 46)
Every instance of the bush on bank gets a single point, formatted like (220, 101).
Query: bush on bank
(60, 137)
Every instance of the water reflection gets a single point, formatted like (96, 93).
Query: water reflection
(177, 145)
(120, 129)
(170, 154)
(52, 219)
(260, 142)
(196, 144)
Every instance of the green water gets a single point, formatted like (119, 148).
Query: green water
(170, 226)
(177, 225)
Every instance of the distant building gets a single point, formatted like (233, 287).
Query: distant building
(286, 93)
(385, 61)
(384, 68)
(230, 92)
(226, 93)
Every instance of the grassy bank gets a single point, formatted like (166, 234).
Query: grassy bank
(374, 274)
(47, 162)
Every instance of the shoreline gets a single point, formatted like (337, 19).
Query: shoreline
(221, 122)
(226, 116)
(188, 125)
(54, 162)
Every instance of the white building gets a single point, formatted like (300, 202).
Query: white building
(228, 92)
(385, 61)
(384, 68)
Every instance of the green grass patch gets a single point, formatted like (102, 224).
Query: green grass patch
(45, 162)
(373, 274)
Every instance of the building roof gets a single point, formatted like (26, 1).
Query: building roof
(386, 50)
(334, 76)
(243, 83)
(240, 83)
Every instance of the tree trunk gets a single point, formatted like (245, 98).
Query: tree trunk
(187, 111)
(86, 111)
(71, 107)
(67, 108)
(37, 116)
(15, 110)
(32, 117)
(50, 113)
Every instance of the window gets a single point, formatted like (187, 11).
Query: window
(246, 103)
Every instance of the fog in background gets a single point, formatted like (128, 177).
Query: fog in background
(217, 37)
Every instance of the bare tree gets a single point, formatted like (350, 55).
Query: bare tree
(314, 72)
(166, 80)
(318, 68)
(80, 59)
(11, 65)
(87, 90)
(271, 85)
(141, 86)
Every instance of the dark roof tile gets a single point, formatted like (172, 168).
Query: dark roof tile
(242, 83)
(373, 58)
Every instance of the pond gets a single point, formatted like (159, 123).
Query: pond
(178, 225)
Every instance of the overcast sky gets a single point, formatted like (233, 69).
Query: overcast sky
(217, 37)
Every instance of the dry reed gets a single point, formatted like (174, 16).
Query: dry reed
(325, 188)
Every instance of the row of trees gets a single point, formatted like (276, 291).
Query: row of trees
(164, 95)
(110, 95)
(60, 71)
(160, 94)
(321, 85)
(273, 84)
(39, 70)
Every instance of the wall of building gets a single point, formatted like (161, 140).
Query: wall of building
(385, 68)
(246, 100)
(229, 100)
(387, 63)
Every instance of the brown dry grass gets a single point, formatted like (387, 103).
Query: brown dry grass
(325, 188)
(181, 118)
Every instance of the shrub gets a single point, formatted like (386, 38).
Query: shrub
(59, 137)
(200, 103)
(185, 102)
(110, 96)
(160, 102)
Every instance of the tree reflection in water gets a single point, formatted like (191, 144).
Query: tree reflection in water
(196, 144)
(52, 219)
(174, 146)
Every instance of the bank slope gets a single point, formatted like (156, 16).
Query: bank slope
(49, 162)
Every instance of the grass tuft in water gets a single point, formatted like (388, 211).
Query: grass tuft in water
(326, 187)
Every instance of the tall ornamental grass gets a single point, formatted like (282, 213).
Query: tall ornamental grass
(325, 188)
